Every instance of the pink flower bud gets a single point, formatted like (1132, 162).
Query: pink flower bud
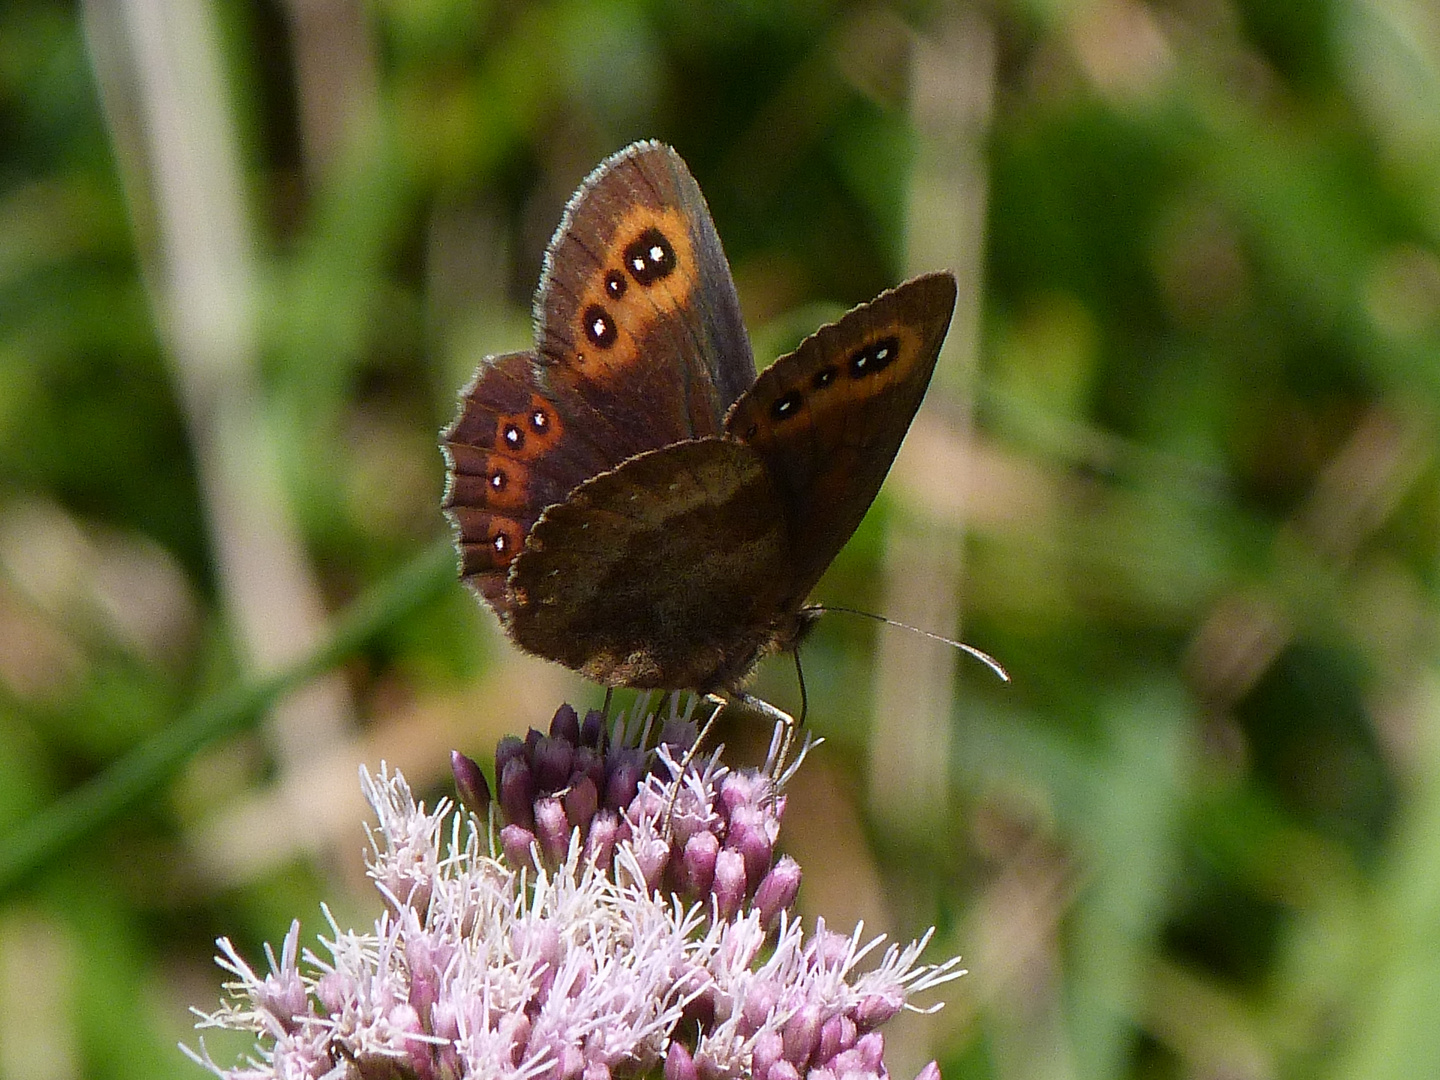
(679, 1065)
(470, 783)
(729, 888)
(777, 891)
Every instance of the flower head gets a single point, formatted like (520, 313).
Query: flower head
(616, 914)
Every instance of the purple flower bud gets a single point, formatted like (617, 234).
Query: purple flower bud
(553, 759)
(444, 1020)
(777, 891)
(679, 1065)
(470, 783)
(782, 1070)
(929, 1072)
(515, 841)
(581, 802)
(571, 1063)
(515, 1027)
(753, 846)
(653, 858)
(592, 731)
(678, 736)
(759, 1004)
(532, 740)
(836, 1035)
(552, 828)
(768, 1049)
(600, 844)
(404, 1018)
(697, 864)
(622, 784)
(802, 1036)
(333, 990)
(875, 1009)
(829, 949)
(517, 793)
(871, 1048)
(565, 725)
(424, 974)
(747, 788)
(699, 1012)
(729, 888)
(589, 762)
(507, 750)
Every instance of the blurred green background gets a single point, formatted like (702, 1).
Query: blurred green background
(1176, 471)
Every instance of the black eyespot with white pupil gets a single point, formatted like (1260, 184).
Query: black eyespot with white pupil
(786, 405)
(514, 437)
(498, 480)
(649, 257)
(824, 377)
(615, 285)
(876, 356)
(501, 544)
(600, 327)
(539, 421)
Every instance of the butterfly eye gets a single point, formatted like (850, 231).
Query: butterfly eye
(649, 257)
(599, 327)
(786, 405)
(824, 377)
(615, 284)
(874, 357)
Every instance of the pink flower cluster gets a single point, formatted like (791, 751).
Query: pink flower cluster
(650, 933)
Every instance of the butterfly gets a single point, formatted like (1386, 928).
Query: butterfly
(631, 499)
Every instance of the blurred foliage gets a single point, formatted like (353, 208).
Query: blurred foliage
(1200, 834)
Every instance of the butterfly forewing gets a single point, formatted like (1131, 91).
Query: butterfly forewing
(637, 318)
(829, 418)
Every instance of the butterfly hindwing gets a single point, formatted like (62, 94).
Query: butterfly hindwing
(510, 452)
(828, 418)
(667, 571)
(637, 320)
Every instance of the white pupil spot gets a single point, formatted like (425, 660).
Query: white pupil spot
(497, 481)
(538, 419)
(657, 254)
(599, 328)
(882, 354)
(500, 544)
(639, 263)
(512, 436)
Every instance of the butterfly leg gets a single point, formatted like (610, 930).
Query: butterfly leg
(804, 699)
(774, 761)
(694, 749)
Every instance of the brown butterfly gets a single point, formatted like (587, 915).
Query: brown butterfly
(629, 497)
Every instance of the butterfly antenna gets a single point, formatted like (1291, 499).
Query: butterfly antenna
(970, 650)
